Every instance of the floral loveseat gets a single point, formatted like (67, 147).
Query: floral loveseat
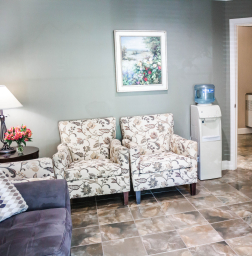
(158, 158)
(30, 170)
(90, 158)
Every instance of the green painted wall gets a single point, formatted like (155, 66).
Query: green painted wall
(57, 57)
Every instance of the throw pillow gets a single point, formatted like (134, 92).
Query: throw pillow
(11, 201)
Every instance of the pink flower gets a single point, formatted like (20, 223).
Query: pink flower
(149, 72)
(159, 67)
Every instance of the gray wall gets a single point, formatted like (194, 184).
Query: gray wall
(57, 57)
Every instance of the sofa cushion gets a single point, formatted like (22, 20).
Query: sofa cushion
(11, 202)
(88, 139)
(36, 233)
(92, 169)
(163, 161)
(152, 133)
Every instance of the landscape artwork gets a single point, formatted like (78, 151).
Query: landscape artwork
(140, 60)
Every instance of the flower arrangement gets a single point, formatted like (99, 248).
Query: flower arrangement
(20, 135)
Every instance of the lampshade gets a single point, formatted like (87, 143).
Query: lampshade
(7, 99)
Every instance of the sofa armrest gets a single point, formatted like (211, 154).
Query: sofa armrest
(120, 154)
(36, 168)
(183, 146)
(45, 194)
(61, 161)
(135, 153)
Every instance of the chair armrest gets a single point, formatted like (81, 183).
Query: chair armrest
(45, 194)
(61, 161)
(135, 153)
(36, 168)
(120, 154)
(183, 146)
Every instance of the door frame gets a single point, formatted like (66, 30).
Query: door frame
(233, 36)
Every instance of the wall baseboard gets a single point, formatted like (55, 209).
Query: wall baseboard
(227, 165)
(244, 130)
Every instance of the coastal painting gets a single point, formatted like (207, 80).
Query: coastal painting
(141, 60)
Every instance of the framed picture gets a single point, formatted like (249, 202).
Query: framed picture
(141, 60)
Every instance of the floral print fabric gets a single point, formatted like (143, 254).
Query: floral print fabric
(88, 139)
(163, 161)
(61, 161)
(103, 168)
(183, 147)
(173, 163)
(31, 169)
(92, 169)
(99, 186)
(152, 133)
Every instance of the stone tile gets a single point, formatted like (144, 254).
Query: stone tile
(84, 236)
(118, 230)
(124, 247)
(209, 184)
(242, 210)
(81, 208)
(216, 249)
(84, 220)
(143, 212)
(110, 204)
(187, 219)
(162, 242)
(183, 252)
(248, 220)
(199, 235)
(218, 214)
(176, 206)
(200, 191)
(114, 215)
(153, 225)
(222, 189)
(232, 228)
(87, 250)
(233, 198)
(168, 196)
(205, 202)
(242, 245)
(146, 200)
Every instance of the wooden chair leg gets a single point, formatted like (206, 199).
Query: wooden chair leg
(138, 197)
(193, 189)
(126, 198)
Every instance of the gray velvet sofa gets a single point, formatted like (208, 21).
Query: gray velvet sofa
(45, 228)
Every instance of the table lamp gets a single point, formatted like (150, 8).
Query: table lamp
(7, 101)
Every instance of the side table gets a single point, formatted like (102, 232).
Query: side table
(28, 154)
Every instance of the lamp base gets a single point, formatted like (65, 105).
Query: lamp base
(6, 149)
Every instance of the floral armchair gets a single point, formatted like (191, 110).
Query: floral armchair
(30, 170)
(90, 158)
(158, 158)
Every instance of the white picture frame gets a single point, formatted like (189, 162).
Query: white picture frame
(135, 51)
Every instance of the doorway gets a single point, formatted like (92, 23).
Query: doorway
(235, 139)
(244, 104)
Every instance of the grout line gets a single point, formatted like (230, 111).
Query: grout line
(99, 225)
(138, 231)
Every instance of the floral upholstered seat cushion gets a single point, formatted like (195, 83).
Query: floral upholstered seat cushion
(152, 133)
(92, 169)
(88, 139)
(36, 169)
(164, 161)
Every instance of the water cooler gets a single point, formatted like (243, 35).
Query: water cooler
(206, 130)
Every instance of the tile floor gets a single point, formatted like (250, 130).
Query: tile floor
(170, 222)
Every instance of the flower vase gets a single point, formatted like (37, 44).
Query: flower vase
(20, 149)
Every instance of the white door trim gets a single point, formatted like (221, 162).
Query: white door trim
(233, 25)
